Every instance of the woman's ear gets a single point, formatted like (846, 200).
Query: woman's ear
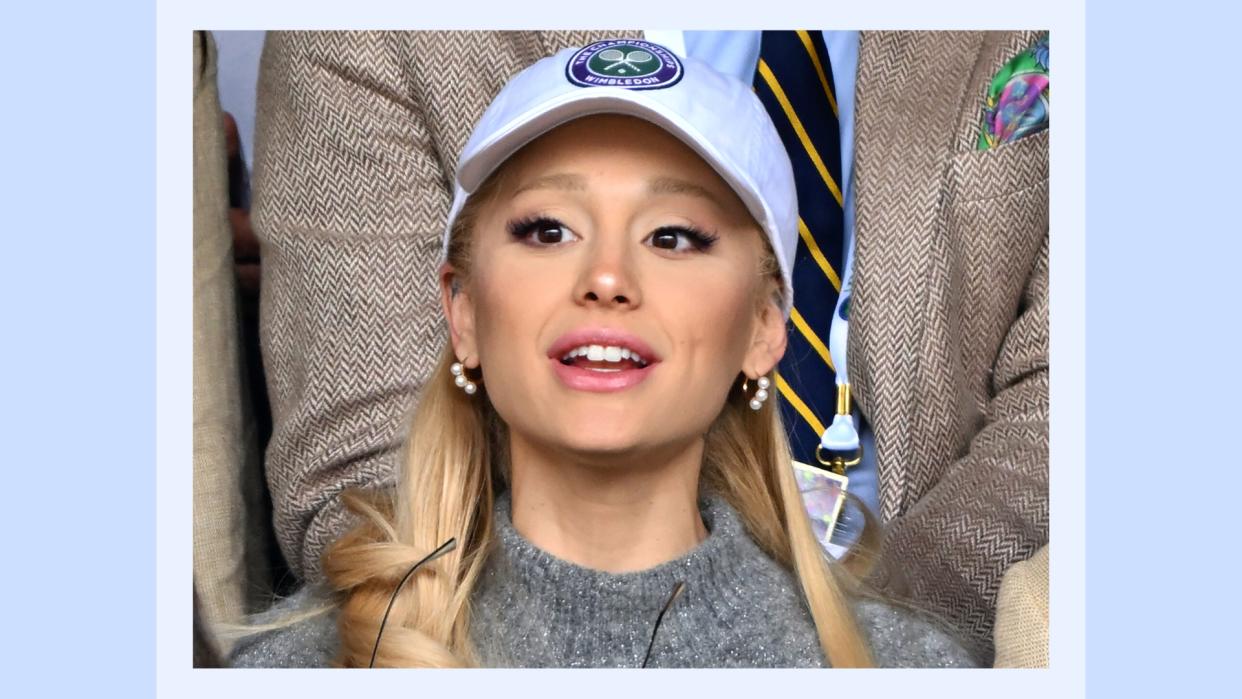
(459, 312)
(769, 341)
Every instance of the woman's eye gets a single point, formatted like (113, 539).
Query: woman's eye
(541, 231)
(681, 239)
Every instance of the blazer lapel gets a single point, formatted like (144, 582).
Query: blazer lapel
(909, 100)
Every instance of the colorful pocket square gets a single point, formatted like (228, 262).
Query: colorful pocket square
(1017, 101)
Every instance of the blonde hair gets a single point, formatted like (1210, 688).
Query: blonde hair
(453, 460)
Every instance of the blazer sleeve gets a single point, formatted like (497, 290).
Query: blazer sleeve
(950, 550)
(349, 198)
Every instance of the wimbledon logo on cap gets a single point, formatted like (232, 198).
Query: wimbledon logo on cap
(628, 63)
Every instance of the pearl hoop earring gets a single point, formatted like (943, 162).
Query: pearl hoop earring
(761, 394)
(459, 378)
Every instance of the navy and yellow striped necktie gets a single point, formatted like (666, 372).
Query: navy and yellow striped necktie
(794, 82)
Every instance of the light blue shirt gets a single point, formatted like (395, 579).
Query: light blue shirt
(736, 53)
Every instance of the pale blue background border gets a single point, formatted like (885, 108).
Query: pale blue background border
(77, 347)
(1163, 385)
(78, 425)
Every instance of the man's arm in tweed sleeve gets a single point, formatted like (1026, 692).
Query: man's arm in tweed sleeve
(950, 550)
(349, 197)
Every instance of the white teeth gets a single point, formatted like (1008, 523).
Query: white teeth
(605, 353)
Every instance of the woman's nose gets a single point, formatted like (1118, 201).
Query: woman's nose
(608, 279)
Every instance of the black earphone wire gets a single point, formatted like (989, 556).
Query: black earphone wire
(677, 589)
(443, 549)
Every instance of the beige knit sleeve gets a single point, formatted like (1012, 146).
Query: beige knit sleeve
(1022, 614)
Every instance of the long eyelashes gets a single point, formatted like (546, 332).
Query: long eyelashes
(700, 240)
(545, 231)
(523, 228)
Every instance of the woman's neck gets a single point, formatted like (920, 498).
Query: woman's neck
(615, 514)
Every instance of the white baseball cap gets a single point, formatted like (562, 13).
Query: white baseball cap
(719, 117)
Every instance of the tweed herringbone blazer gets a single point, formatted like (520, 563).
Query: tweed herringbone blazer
(356, 143)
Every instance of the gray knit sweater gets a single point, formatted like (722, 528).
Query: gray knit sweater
(738, 608)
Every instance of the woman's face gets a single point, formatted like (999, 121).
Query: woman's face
(609, 239)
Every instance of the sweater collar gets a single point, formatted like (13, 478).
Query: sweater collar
(712, 561)
(532, 609)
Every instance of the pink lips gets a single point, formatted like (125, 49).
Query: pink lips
(580, 379)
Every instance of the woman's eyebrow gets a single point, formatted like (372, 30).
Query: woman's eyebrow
(672, 185)
(558, 180)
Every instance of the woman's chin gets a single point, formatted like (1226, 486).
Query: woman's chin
(604, 439)
(606, 428)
